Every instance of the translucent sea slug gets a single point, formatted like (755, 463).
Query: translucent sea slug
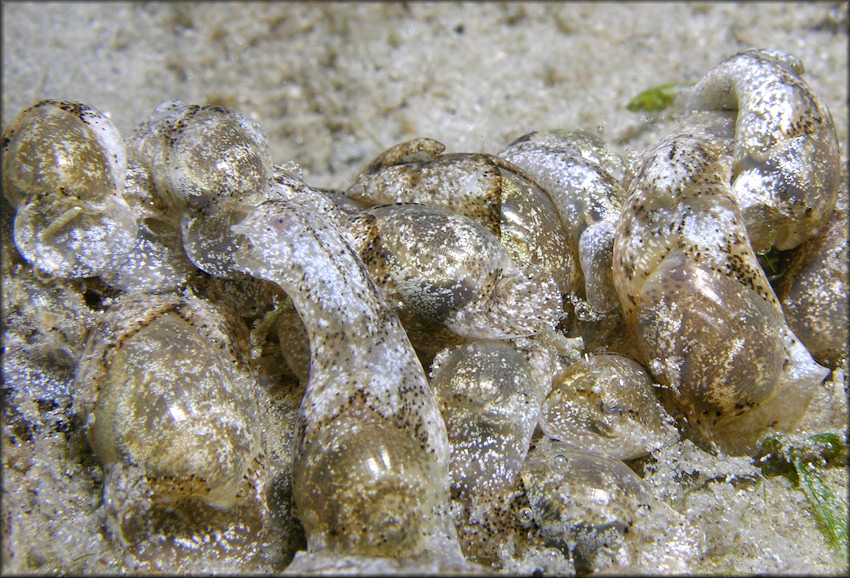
(785, 173)
(707, 321)
(63, 171)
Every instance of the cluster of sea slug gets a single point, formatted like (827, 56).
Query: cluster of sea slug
(463, 351)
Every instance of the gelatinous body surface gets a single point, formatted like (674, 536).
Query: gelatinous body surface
(63, 170)
(605, 403)
(785, 173)
(445, 269)
(813, 292)
(707, 321)
(158, 262)
(587, 198)
(490, 401)
(212, 165)
(365, 381)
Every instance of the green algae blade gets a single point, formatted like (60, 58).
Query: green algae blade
(657, 98)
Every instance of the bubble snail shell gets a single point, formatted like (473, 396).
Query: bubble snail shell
(597, 509)
(484, 188)
(211, 165)
(446, 270)
(605, 403)
(490, 399)
(171, 411)
(63, 171)
(705, 317)
(587, 199)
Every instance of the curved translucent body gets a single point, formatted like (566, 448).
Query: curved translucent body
(813, 292)
(158, 262)
(605, 403)
(445, 269)
(706, 319)
(362, 370)
(212, 165)
(490, 401)
(587, 199)
(785, 174)
(167, 394)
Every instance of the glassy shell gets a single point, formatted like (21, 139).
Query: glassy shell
(441, 268)
(368, 483)
(593, 148)
(813, 292)
(485, 188)
(531, 230)
(172, 415)
(586, 197)
(368, 425)
(294, 341)
(164, 388)
(490, 401)
(600, 512)
(212, 165)
(786, 173)
(606, 404)
(585, 503)
(706, 319)
(63, 170)
(416, 172)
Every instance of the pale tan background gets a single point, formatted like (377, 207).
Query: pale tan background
(333, 84)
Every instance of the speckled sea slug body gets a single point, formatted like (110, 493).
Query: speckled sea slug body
(485, 188)
(785, 173)
(211, 165)
(371, 453)
(445, 271)
(588, 200)
(172, 414)
(706, 319)
(605, 403)
(158, 262)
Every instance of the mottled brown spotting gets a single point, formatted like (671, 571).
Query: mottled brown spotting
(130, 324)
(172, 132)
